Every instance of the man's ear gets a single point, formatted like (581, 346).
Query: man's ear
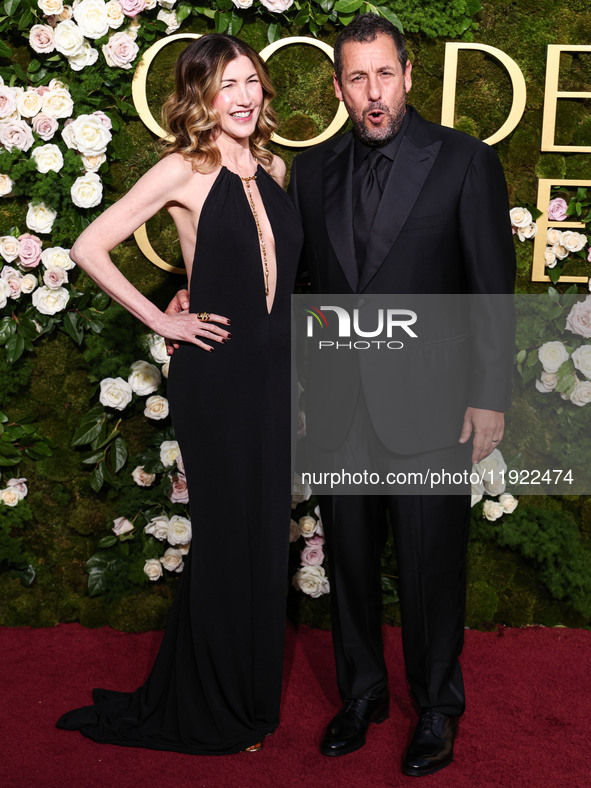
(337, 87)
(407, 76)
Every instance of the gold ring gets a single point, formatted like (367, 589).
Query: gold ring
(203, 316)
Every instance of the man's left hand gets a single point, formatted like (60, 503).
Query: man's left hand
(488, 427)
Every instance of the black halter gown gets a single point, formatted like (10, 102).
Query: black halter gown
(216, 683)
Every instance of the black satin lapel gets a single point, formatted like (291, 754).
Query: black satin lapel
(407, 176)
(338, 178)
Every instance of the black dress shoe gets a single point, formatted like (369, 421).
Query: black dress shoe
(346, 732)
(432, 745)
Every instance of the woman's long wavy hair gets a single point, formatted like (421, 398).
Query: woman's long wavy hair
(189, 114)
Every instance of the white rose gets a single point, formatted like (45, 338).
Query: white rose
(86, 56)
(41, 38)
(16, 134)
(93, 163)
(19, 485)
(50, 7)
(115, 15)
(477, 487)
(157, 348)
(156, 407)
(559, 251)
(492, 510)
(183, 548)
(29, 103)
(169, 451)
(120, 50)
(300, 492)
(115, 393)
(520, 217)
(55, 277)
(168, 4)
(48, 157)
(122, 526)
(153, 568)
(491, 470)
(170, 20)
(572, 241)
(475, 498)
(13, 279)
(4, 293)
(508, 502)
(87, 190)
(57, 257)
(89, 134)
(8, 99)
(311, 580)
(527, 232)
(581, 394)
(91, 16)
(582, 360)
(28, 283)
(6, 184)
(9, 247)
(57, 103)
(549, 258)
(48, 301)
(579, 318)
(179, 530)
(69, 39)
(40, 217)
(45, 126)
(308, 526)
(547, 382)
(552, 355)
(294, 531)
(11, 496)
(242, 3)
(142, 478)
(553, 236)
(172, 560)
(158, 527)
(165, 368)
(144, 378)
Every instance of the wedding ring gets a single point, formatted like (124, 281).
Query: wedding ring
(203, 316)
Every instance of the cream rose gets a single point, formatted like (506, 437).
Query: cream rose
(41, 38)
(4, 293)
(120, 51)
(144, 378)
(10, 496)
(51, 6)
(582, 360)
(69, 39)
(242, 3)
(115, 393)
(40, 217)
(48, 157)
(312, 581)
(13, 279)
(581, 394)
(549, 258)
(475, 498)
(45, 126)
(547, 382)
(165, 368)
(89, 135)
(158, 527)
(529, 231)
(8, 98)
(121, 525)
(65, 14)
(48, 301)
(508, 502)
(115, 15)
(91, 16)
(553, 236)
(492, 510)
(29, 250)
(157, 348)
(172, 560)
(16, 134)
(55, 277)
(294, 531)
(520, 217)
(552, 355)
(9, 247)
(57, 103)
(308, 526)
(57, 257)
(29, 103)
(153, 568)
(142, 478)
(86, 56)
(87, 190)
(93, 163)
(168, 4)
(579, 318)
(156, 407)
(28, 283)
(573, 242)
(169, 452)
(6, 184)
(170, 20)
(492, 471)
(179, 530)
(559, 251)
(300, 492)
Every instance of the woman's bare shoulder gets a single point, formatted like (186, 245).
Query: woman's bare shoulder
(277, 168)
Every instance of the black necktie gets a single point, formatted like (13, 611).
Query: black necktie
(366, 207)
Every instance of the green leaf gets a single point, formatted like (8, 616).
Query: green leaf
(15, 347)
(97, 582)
(38, 450)
(119, 454)
(94, 457)
(97, 561)
(26, 20)
(90, 426)
(97, 477)
(33, 66)
(100, 301)
(26, 576)
(10, 6)
(347, 6)
(532, 358)
(5, 50)
(274, 32)
(391, 17)
(72, 325)
(553, 293)
(235, 24)
(521, 356)
(327, 5)
(302, 18)
(221, 22)
(108, 541)
(554, 274)
(182, 12)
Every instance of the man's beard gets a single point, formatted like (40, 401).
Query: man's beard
(377, 137)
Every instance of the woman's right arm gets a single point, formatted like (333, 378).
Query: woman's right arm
(91, 252)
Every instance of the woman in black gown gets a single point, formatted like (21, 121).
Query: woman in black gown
(216, 683)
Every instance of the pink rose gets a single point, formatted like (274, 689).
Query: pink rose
(45, 126)
(589, 255)
(312, 555)
(180, 464)
(55, 277)
(557, 209)
(317, 539)
(41, 38)
(132, 7)
(7, 101)
(579, 318)
(104, 119)
(120, 50)
(29, 250)
(179, 492)
(19, 485)
(13, 279)
(122, 526)
(16, 134)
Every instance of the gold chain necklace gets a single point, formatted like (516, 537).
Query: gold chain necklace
(259, 231)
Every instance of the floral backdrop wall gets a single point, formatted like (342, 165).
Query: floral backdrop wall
(94, 513)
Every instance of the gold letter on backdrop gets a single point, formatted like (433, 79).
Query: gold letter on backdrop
(538, 273)
(140, 100)
(450, 71)
(551, 96)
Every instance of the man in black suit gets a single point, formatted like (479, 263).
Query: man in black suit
(401, 205)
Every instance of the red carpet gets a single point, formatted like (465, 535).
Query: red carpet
(527, 723)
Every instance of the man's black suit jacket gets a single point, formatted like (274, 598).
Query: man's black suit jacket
(443, 228)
